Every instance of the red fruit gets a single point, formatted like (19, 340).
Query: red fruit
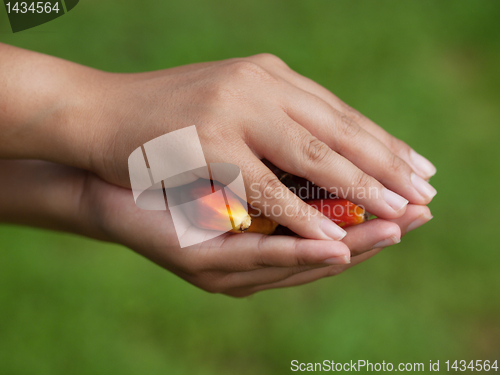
(341, 211)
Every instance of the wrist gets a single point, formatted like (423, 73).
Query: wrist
(113, 110)
(39, 104)
(78, 132)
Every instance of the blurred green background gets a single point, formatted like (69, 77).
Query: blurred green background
(427, 71)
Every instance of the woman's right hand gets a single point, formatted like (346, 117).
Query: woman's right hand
(252, 108)
(244, 109)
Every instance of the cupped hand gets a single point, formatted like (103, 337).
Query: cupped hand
(233, 264)
(247, 109)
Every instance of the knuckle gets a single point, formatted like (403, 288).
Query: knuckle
(354, 114)
(362, 180)
(243, 66)
(347, 128)
(247, 70)
(269, 184)
(223, 92)
(299, 256)
(397, 165)
(315, 151)
(269, 58)
(301, 214)
(260, 258)
(297, 214)
(398, 146)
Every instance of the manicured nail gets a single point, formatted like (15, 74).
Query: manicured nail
(421, 220)
(332, 230)
(387, 242)
(338, 260)
(423, 187)
(396, 201)
(422, 164)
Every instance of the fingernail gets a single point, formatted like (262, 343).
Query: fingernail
(423, 187)
(338, 260)
(422, 164)
(387, 242)
(332, 230)
(396, 201)
(421, 220)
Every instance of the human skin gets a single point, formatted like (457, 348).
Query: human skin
(245, 109)
(57, 197)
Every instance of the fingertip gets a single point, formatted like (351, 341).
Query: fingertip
(416, 215)
(332, 230)
(392, 240)
(426, 211)
(345, 259)
(426, 190)
(369, 235)
(390, 229)
(419, 221)
(395, 201)
(425, 168)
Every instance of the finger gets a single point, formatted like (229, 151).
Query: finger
(414, 217)
(348, 139)
(372, 234)
(423, 167)
(378, 233)
(359, 239)
(246, 283)
(273, 199)
(305, 277)
(268, 195)
(262, 276)
(250, 251)
(295, 150)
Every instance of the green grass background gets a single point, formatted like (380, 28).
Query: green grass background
(427, 71)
